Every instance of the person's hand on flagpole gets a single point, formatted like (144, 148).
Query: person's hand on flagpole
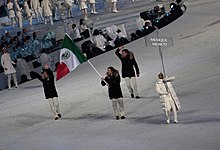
(103, 79)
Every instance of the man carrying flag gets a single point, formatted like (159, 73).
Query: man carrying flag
(70, 57)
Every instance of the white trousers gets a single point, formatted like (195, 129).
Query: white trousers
(173, 108)
(14, 79)
(118, 106)
(131, 83)
(54, 105)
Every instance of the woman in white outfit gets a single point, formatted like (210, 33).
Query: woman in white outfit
(168, 97)
(18, 14)
(83, 8)
(35, 6)
(92, 7)
(27, 11)
(45, 4)
(11, 13)
(9, 69)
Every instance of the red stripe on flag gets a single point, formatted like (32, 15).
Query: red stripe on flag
(62, 70)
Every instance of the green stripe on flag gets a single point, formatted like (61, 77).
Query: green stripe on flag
(69, 44)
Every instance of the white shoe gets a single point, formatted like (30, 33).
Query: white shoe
(9, 88)
(168, 121)
(86, 18)
(176, 121)
(114, 11)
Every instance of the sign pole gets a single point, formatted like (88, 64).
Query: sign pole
(161, 55)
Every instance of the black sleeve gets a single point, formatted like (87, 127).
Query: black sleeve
(136, 66)
(35, 75)
(118, 79)
(103, 83)
(118, 54)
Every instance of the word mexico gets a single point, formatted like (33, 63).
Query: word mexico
(159, 41)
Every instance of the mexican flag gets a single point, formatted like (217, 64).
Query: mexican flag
(70, 57)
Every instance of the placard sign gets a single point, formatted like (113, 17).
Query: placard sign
(158, 41)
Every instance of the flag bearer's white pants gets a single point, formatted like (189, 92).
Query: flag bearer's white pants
(118, 106)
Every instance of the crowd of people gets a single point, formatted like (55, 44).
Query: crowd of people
(25, 44)
(50, 10)
(102, 40)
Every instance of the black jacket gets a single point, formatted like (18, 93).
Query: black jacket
(114, 89)
(49, 85)
(128, 64)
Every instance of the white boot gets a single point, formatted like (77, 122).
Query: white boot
(51, 20)
(30, 20)
(93, 9)
(114, 10)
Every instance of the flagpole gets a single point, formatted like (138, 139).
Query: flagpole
(94, 68)
(96, 71)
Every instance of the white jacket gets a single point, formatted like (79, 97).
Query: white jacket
(100, 41)
(167, 93)
(6, 63)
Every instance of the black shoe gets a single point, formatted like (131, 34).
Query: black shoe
(132, 95)
(59, 115)
(56, 118)
(117, 117)
(122, 117)
(137, 97)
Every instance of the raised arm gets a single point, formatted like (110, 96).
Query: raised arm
(117, 52)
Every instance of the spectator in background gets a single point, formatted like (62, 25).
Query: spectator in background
(75, 34)
(24, 69)
(121, 39)
(128, 63)
(23, 34)
(36, 44)
(148, 28)
(3, 39)
(133, 37)
(113, 80)
(84, 30)
(9, 69)
(19, 35)
(8, 37)
(99, 40)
